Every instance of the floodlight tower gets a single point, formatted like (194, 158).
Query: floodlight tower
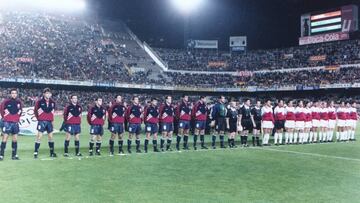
(186, 8)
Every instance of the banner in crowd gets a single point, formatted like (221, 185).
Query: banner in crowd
(288, 56)
(238, 49)
(317, 58)
(105, 42)
(217, 64)
(245, 73)
(332, 68)
(336, 36)
(24, 60)
(203, 44)
(335, 86)
(241, 83)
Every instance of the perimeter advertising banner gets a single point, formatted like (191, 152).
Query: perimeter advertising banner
(28, 122)
(330, 37)
(203, 44)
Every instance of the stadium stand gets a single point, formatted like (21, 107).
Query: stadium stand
(334, 53)
(42, 46)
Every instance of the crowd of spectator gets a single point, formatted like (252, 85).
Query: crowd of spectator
(332, 53)
(308, 77)
(38, 45)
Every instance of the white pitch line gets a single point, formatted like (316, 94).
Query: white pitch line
(207, 151)
(47, 159)
(306, 153)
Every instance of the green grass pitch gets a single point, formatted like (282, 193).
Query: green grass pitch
(301, 173)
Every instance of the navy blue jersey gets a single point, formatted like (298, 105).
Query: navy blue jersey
(219, 111)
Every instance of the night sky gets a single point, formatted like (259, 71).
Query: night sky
(267, 23)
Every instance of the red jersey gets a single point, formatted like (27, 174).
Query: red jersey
(11, 110)
(72, 114)
(353, 114)
(116, 113)
(308, 115)
(96, 115)
(279, 113)
(167, 113)
(300, 114)
(315, 113)
(290, 113)
(151, 114)
(183, 111)
(341, 113)
(44, 109)
(324, 114)
(199, 111)
(267, 114)
(332, 113)
(133, 114)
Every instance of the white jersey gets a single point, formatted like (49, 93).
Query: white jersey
(281, 110)
(299, 110)
(323, 111)
(290, 113)
(342, 113)
(279, 113)
(267, 117)
(332, 113)
(266, 110)
(353, 113)
(308, 114)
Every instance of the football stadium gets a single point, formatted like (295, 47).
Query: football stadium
(179, 101)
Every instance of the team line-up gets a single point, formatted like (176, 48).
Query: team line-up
(303, 123)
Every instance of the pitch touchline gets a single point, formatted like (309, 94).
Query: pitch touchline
(309, 154)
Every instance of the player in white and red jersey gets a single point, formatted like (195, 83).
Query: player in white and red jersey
(315, 114)
(341, 113)
(348, 123)
(289, 122)
(279, 114)
(332, 121)
(267, 122)
(300, 122)
(308, 122)
(353, 118)
(324, 122)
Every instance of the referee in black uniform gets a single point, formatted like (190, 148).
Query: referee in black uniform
(231, 123)
(256, 113)
(247, 122)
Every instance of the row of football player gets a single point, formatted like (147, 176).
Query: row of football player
(133, 115)
(223, 116)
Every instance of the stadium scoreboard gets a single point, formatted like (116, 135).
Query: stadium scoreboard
(332, 25)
